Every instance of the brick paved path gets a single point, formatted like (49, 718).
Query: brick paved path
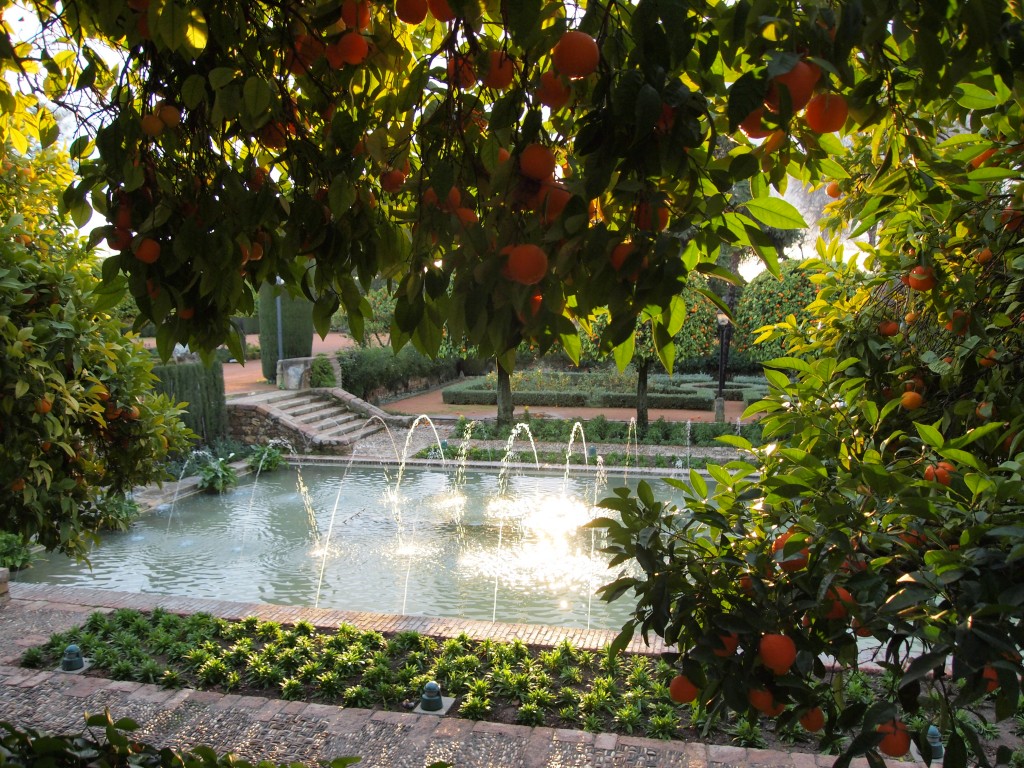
(260, 728)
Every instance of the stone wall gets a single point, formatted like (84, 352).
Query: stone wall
(5, 586)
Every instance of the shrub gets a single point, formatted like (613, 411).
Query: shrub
(116, 512)
(321, 374)
(364, 370)
(216, 475)
(15, 552)
(201, 387)
(768, 300)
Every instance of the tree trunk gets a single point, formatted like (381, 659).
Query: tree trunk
(641, 396)
(504, 397)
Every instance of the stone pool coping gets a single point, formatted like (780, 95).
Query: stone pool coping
(258, 728)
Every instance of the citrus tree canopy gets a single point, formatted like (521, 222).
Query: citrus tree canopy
(325, 143)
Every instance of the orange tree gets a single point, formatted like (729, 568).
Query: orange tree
(881, 519)
(486, 152)
(78, 419)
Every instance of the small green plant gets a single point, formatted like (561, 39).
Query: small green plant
(530, 714)
(475, 707)
(292, 689)
(15, 552)
(32, 658)
(171, 679)
(265, 458)
(662, 726)
(216, 475)
(747, 733)
(117, 512)
(358, 696)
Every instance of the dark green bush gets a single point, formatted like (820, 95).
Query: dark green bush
(296, 328)
(202, 388)
(321, 374)
(365, 369)
(15, 552)
(766, 300)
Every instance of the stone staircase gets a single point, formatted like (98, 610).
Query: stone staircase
(325, 421)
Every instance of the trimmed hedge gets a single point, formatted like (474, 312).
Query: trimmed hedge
(201, 387)
(366, 369)
(296, 328)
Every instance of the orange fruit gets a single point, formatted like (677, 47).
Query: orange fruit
(989, 359)
(169, 115)
(681, 690)
(119, 240)
(763, 701)
(575, 54)
(503, 155)
(1011, 219)
(826, 112)
(466, 216)
(921, 278)
(813, 720)
(895, 738)
(860, 629)
(620, 253)
(500, 71)
(795, 561)
(778, 652)
(650, 217)
(527, 264)
(753, 126)
(187, 313)
(553, 92)
(147, 251)
(440, 10)
(123, 216)
(411, 11)
(729, 642)
(984, 256)
(460, 71)
(991, 678)
(537, 162)
(392, 181)
(18, 484)
(554, 198)
(939, 473)
(305, 51)
(799, 82)
(911, 400)
(152, 125)
(356, 14)
(44, 405)
(351, 48)
(832, 190)
(911, 317)
(274, 134)
(536, 302)
(839, 601)
(958, 322)
(888, 328)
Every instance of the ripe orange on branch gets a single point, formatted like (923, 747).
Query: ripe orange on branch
(921, 278)
(682, 690)
(650, 216)
(895, 738)
(537, 162)
(441, 10)
(527, 264)
(500, 71)
(793, 562)
(576, 54)
(799, 82)
(553, 93)
(764, 702)
(147, 251)
(351, 48)
(813, 720)
(827, 112)
(911, 400)
(411, 11)
(356, 14)
(778, 652)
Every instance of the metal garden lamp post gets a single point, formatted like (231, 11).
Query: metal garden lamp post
(723, 348)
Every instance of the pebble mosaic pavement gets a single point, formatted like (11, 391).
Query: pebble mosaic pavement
(257, 728)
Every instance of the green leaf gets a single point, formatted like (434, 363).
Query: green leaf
(775, 212)
(221, 76)
(523, 17)
(572, 345)
(623, 353)
(972, 96)
(930, 435)
(193, 91)
(257, 98)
